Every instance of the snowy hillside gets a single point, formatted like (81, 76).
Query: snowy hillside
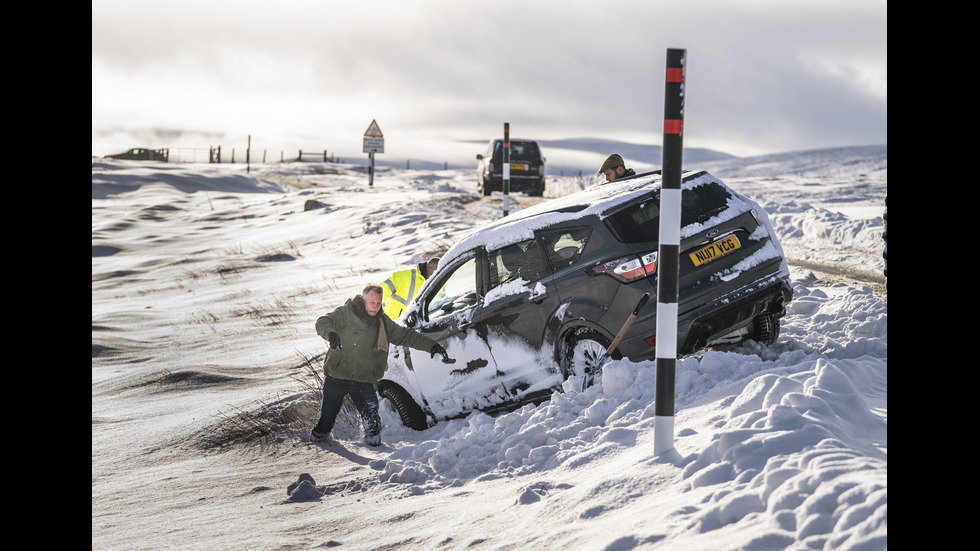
(207, 280)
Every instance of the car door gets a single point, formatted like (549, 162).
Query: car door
(447, 313)
(519, 302)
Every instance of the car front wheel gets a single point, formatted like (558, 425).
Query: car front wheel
(410, 413)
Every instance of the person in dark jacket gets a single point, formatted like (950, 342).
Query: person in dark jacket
(359, 333)
(615, 168)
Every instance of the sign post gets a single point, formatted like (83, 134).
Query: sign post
(374, 142)
(668, 255)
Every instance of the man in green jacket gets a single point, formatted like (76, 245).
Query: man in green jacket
(359, 334)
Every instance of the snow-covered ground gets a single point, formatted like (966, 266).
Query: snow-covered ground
(207, 280)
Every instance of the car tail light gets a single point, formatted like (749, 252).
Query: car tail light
(757, 219)
(629, 268)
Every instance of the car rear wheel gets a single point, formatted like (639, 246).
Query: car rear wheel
(537, 190)
(582, 352)
(410, 413)
(765, 329)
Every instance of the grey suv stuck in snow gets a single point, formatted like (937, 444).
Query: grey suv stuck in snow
(526, 168)
(536, 297)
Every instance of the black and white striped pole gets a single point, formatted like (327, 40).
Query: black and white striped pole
(668, 255)
(506, 183)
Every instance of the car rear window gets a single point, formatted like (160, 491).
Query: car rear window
(640, 222)
(524, 152)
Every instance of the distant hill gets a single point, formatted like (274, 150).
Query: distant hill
(632, 151)
(584, 155)
(571, 156)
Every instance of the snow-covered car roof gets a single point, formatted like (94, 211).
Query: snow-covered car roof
(598, 200)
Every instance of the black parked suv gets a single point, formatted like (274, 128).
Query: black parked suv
(536, 297)
(526, 168)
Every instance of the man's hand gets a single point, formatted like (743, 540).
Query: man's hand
(438, 349)
(334, 340)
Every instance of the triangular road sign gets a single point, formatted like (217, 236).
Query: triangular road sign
(374, 131)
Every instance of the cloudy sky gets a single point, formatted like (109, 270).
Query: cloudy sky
(763, 76)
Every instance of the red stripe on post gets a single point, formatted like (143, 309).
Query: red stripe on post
(675, 74)
(673, 126)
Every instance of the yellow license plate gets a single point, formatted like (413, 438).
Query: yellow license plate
(518, 166)
(715, 250)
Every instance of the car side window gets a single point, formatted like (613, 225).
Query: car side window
(458, 291)
(520, 260)
(565, 246)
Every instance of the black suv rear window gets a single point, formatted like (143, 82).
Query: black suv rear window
(640, 222)
(524, 152)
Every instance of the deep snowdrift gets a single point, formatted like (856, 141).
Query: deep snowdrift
(206, 282)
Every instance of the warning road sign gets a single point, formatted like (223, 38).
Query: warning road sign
(374, 131)
(374, 140)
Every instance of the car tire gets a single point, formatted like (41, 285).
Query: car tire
(537, 190)
(410, 413)
(765, 329)
(485, 188)
(582, 351)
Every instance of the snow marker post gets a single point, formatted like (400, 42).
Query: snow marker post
(506, 167)
(668, 256)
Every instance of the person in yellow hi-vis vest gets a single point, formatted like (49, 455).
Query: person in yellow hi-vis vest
(403, 284)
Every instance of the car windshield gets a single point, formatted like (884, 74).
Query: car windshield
(640, 222)
(458, 291)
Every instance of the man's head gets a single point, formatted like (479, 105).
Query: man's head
(613, 167)
(431, 266)
(372, 298)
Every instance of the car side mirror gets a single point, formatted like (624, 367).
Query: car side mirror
(479, 157)
(411, 319)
